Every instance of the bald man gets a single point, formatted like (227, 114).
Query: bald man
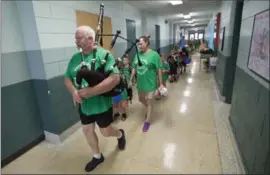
(93, 108)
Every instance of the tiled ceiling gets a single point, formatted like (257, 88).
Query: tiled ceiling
(200, 11)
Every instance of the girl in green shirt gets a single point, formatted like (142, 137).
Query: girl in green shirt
(122, 105)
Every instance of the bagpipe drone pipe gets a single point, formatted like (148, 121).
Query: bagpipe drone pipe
(95, 76)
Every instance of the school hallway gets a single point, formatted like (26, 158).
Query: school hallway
(182, 138)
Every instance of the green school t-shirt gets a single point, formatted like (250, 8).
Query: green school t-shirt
(147, 73)
(127, 73)
(165, 66)
(96, 104)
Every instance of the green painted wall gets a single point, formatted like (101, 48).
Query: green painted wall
(21, 123)
(249, 118)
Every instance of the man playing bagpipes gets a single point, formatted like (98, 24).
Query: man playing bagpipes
(93, 107)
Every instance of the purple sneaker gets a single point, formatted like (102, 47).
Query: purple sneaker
(146, 126)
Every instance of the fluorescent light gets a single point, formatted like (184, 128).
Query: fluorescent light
(176, 2)
(186, 16)
(180, 15)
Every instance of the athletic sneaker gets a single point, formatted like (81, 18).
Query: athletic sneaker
(116, 116)
(146, 126)
(122, 140)
(124, 117)
(90, 166)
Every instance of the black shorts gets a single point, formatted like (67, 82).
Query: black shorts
(103, 120)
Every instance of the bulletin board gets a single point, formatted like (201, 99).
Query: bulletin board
(89, 19)
(258, 60)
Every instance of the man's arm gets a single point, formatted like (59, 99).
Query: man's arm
(69, 85)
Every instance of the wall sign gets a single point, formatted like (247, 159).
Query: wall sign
(258, 61)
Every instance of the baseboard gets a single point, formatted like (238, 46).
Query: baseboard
(220, 97)
(52, 138)
(21, 151)
(64, 135)
(58, 139)
(238, 153)
(231, 161)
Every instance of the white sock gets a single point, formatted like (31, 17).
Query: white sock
(97, 156)
(120, 135)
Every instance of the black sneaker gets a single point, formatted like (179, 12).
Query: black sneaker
(116, 116)
(90, 166)
(122, 140)
(124, 117)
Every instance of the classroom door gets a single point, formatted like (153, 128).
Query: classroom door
(157, 38)
(131, 35)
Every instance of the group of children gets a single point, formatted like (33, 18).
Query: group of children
(177, 61)
(175, 64)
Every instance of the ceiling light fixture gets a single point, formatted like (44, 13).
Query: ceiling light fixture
(180, 15)
(187, 16)
(176, 2)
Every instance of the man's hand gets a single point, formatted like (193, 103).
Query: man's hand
(76, 98)
(85, 92)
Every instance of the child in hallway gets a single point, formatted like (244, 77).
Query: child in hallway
(120, 103)
(165, 72)
(173, 67)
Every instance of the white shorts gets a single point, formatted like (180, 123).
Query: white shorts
(146, 95)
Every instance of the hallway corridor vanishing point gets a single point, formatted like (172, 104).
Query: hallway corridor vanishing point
(182, 138)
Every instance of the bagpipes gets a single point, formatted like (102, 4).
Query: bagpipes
(96, 76)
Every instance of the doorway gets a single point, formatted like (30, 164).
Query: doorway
(131, 35)
(158, 38)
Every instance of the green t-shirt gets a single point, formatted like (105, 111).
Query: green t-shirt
(127, 73)
(165, 66)
(147, 73)
(96, 104)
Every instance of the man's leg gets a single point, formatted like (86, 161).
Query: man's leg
(92, 139)
(104, 122)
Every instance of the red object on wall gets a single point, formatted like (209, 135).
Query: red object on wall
(217, 40)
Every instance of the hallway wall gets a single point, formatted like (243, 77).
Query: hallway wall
(149, 20)
(20, 115)
(249, 114)
(39, 42)
(227, 20)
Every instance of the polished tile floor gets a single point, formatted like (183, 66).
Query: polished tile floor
(182, 138)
